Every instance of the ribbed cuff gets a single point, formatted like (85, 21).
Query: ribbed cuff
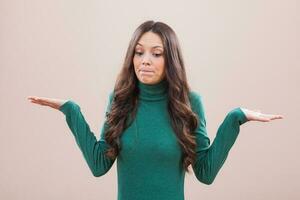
(66, 107)
(241, 116)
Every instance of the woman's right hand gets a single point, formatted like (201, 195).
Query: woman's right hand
(53, 103)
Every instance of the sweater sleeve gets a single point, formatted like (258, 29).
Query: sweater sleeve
(92, 150)
(210, 158)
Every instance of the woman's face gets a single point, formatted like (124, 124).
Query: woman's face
(148, 60)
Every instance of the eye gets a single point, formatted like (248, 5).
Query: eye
(138, 53)
(157, 54)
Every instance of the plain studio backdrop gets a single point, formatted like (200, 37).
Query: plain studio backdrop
(237, 53)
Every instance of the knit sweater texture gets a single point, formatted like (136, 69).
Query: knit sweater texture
(149, 165)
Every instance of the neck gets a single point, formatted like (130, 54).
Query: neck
(153, 92)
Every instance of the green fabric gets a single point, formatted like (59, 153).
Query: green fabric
(149, 165)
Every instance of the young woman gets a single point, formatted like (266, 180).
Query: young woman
(155, 125)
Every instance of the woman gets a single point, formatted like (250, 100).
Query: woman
(155, 125)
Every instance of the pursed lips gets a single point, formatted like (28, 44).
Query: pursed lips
(145, 70)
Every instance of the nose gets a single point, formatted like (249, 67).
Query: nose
(146, 59)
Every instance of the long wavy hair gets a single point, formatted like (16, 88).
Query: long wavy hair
(125, 95)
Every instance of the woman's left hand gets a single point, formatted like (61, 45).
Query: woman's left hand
(256, 115)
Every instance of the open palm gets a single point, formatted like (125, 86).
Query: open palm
(53, 103)
(256, 115)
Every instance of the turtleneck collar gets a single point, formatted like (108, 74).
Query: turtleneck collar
(153, 92)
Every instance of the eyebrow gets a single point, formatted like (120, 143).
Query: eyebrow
(152, 47)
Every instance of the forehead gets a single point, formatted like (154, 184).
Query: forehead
(150, 40)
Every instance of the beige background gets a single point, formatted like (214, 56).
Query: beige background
(237, 53)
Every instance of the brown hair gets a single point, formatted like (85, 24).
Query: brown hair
(125, 95)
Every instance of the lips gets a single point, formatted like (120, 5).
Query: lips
(145, 70)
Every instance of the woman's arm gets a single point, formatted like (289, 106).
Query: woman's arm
(92, 150)
(210, 159)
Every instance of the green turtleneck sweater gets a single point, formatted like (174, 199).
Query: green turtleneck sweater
(149, 163)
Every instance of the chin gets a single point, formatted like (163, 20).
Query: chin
(148, 81)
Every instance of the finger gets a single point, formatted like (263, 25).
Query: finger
(41, 102)
(34, 101)
(272, 116)
(277, 117)
(48, 99)
(263, 118)
(32, 97)
(39, 98)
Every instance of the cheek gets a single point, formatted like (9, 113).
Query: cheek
(160, 66)
(135, 63)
